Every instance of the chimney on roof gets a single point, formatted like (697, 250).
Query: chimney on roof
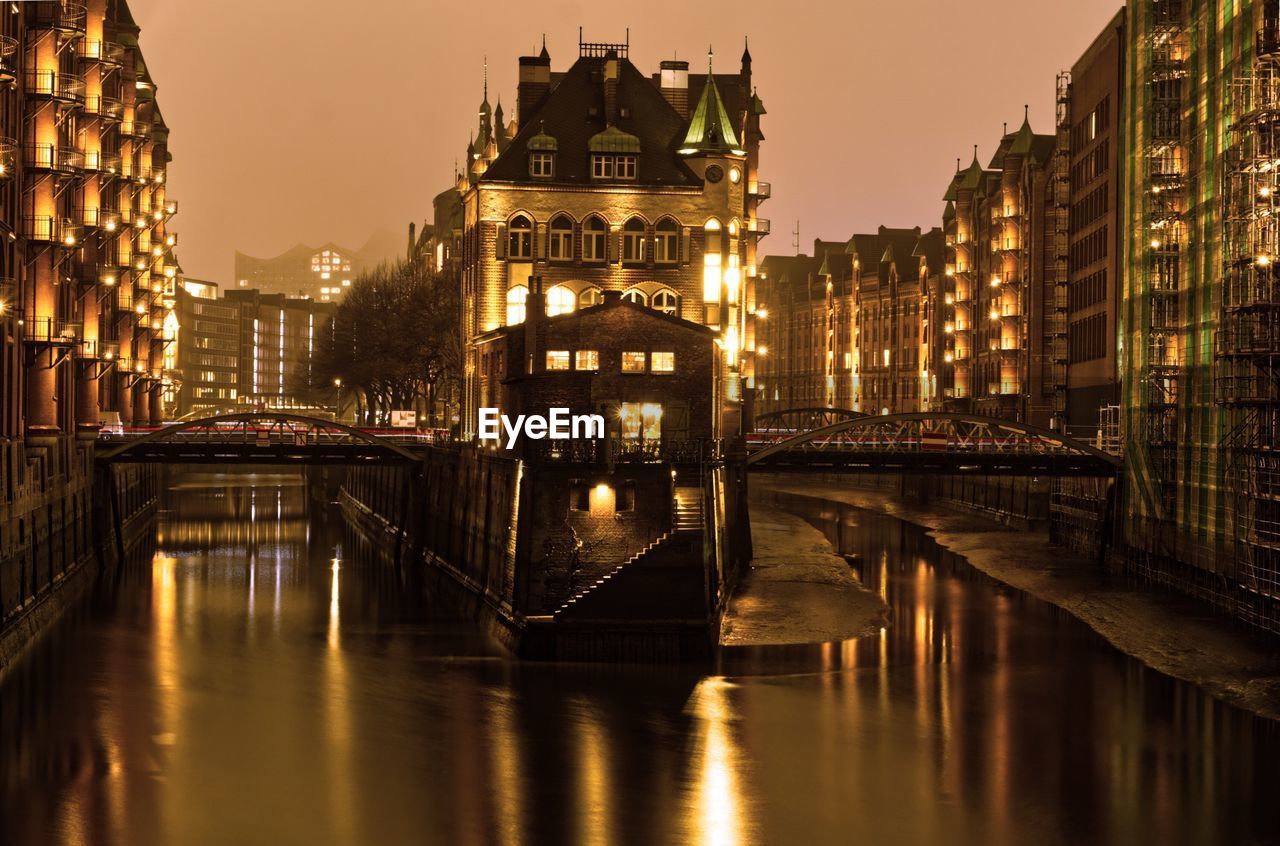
(673, 79)
(535, 84)
(611, 88)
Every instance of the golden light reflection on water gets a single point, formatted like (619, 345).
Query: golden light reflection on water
(596, 793)
(343, 785)
(717, 806)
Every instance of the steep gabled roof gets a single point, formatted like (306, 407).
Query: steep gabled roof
(574, 113)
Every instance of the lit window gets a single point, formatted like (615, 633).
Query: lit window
(666, 301)
(666, 242)
(633, 362)
(587, 360)
(641, 421)
(557, 359)
(634, 295)
(594, 233)
(541, 164)
(633, 241)
(590, 297)
(663, 362)
(516, 298)
(561, 239)
(520, 238)
(560, 300)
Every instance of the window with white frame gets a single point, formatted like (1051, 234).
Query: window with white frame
(561, 247)
(542, 165)
(633, 241)
(594, 235)
(666, 242)
(520, 238)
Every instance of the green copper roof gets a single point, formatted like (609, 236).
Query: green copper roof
(543, 142)
(613, 140)
(1022, 141)
(972, 177)
(757, 105)
(710, 130)
(887, 258)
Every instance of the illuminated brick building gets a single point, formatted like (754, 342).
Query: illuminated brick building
(609, 180)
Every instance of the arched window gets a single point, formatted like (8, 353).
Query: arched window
(590, 297)
(516, 298)
(560, 300)
(634, 295)
(561, 239)
(666, 242)
(594, 233)
(520, 238)
(633, 241)
(666, 301)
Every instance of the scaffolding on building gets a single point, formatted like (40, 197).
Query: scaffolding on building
(1160, 283)
(1058, 268)
(1247, 341)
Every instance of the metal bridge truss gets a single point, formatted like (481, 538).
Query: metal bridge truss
(930, 443)
(257, 438)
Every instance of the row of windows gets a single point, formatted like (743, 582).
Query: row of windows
(1094, 124)
(1088, 291)
(1089, 208)
(633, 361)
(1089, 249)
(562, 235)
(542, 165)
(1087, 339)
(1092, 166)
(562, 299)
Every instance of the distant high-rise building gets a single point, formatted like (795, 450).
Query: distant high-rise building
(277, 340)
(206, 364)
(322, 273)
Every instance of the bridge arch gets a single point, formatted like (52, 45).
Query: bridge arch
(285, 426)
(965, 434)
(805, 419)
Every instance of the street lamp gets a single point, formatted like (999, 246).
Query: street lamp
(337, 408)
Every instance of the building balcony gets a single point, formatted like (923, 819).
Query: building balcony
(54, 158)
(135, 128)
(52, 85)
(98, 218)
(759, 226)
(98, 50)
(8, 158)
(8, 59)
(1267, 43)
(65, 16)
(53, 331)
(107, 108)
(108, 163)
(97, 350)
(41, 228)
(141, 175)
(761, 191)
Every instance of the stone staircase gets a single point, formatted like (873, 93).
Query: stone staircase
(687, 510)
(664, 576)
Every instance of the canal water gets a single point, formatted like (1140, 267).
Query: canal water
(264, 679)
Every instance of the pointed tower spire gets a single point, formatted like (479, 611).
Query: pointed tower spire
(746, 50)
(710, 130)
(544, 54)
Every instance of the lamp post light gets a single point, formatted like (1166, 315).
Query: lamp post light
(337, 407)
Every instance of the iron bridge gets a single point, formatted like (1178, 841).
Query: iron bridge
(261, 438)
(952, 444)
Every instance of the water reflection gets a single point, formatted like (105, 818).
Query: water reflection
(265, 678)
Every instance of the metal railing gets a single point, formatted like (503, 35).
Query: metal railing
(762, 191)
(65, 15)
(59, 86)
(53, 330)
(104, 106)
(52, 157)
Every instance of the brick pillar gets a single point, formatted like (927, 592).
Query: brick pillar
(88, 410)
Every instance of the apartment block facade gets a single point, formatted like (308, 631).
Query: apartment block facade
(610, 180)
(1093, 96)
(1004, 314)
(277, 339)
(87, 273)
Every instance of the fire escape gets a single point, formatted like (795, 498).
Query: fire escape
(1162, 358)
(1056, 267)
(1247, 343)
